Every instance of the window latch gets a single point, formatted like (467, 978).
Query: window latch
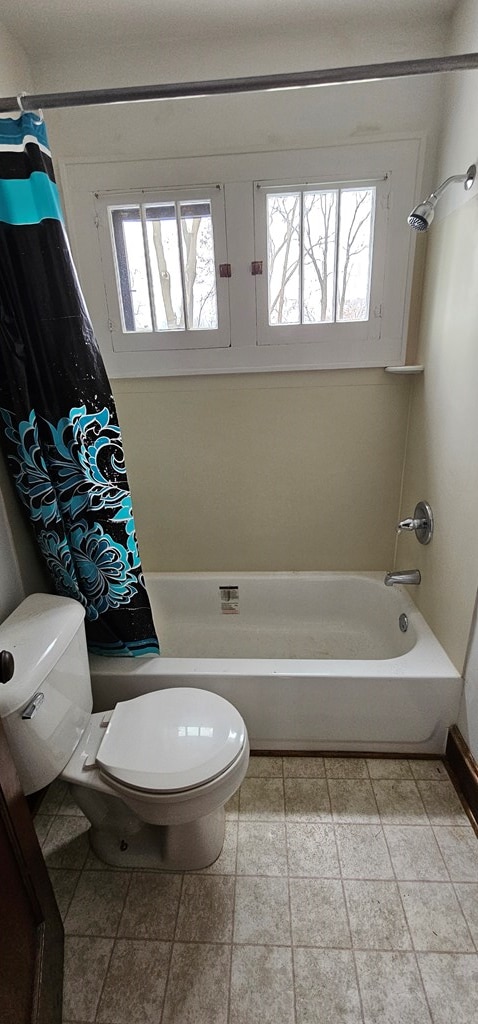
(256, 268)
(225, 270)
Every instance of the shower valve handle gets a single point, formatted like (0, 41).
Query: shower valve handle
(410, 524)
(421, 523)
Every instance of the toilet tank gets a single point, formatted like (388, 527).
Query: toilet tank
(46, 705)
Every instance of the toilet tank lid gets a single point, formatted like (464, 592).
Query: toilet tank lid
(37, 633)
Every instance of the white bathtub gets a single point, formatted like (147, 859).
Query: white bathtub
(313, 661)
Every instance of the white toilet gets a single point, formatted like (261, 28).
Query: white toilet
(152, 775)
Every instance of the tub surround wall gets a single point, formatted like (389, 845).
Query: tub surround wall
(441, 463)
(266, 471)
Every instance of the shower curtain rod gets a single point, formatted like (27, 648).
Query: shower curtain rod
(257, 83)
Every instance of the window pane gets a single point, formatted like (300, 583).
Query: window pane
(283, 257)
(319, 241)
(176, 275)
(162, 234)
(355, 251)
(199, 264)
(131, 268)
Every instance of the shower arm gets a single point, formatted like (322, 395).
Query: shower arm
(437, 192)
(466, 179)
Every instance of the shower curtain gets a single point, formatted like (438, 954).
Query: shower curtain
(58, 423)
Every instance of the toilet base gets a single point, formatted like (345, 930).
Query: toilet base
(186, 847)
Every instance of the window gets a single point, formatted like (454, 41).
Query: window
(319, 254)
(324, 255)
(165, 256)
(294, 260)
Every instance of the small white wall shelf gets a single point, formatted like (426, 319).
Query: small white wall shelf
(405, 369)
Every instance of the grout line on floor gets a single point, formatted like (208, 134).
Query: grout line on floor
(173, 939)
(357, 980)
(232, 926)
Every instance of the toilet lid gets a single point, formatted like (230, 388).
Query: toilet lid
(171, 739)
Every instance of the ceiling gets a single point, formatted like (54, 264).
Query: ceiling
(43, 26)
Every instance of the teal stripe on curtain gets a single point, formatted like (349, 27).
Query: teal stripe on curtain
(14, 128)
(29, 200)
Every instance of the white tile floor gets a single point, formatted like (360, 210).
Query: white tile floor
(346, 893)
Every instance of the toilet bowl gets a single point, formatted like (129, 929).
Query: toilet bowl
(159, 803)
(152, 775)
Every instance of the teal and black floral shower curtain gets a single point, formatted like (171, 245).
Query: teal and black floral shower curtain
(58, 424)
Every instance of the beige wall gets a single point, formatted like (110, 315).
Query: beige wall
(441, 460)
(265, 471)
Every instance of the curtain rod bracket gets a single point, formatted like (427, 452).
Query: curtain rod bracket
(23, 110)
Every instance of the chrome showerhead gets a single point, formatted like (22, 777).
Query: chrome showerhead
(421, 217)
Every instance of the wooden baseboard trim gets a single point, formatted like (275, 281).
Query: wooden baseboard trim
(463, 766)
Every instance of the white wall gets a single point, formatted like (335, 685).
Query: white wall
(15, 72)
(250, 122)
(264, 49)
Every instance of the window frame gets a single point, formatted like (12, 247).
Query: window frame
(401, 159)
(166, 340)
(341, 336)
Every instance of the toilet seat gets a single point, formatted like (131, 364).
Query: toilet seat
(171, 740)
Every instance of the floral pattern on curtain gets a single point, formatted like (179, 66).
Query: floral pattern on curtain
(58, 423)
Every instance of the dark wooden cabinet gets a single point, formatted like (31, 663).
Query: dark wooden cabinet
(31, 931)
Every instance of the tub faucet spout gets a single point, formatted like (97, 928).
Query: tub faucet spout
(408, 576)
